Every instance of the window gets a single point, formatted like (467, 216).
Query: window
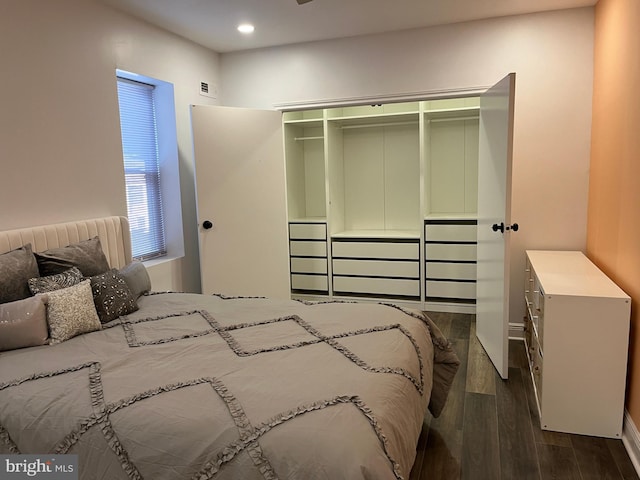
(141, 167)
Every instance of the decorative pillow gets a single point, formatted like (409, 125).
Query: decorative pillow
(16, 268)
(137, 278)
(68, 278)
(87, 256)
(23, 323)
(112, 296)
(71, 312)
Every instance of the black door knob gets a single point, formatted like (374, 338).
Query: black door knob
(495, 227)
(207, 224)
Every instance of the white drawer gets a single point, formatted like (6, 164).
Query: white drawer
(377, 268)
(309, 265)
(384, 286)
(310, 282)
(395, 250)
(442, 251)
(461, 290)
(308, 231)
(451, 271)
(450, 233)
(299, 248)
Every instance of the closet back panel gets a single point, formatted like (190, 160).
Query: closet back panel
(306, 184)
(452, 174)
(381, 177)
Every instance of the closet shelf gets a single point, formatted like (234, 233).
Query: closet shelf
(375, 120)
(453, 113)
(301, 139)
(305, 123)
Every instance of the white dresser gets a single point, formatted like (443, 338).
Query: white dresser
(577, 335)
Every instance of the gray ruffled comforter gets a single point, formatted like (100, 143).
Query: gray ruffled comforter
(194, 386)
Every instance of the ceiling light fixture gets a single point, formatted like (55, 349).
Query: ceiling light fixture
(246, 28)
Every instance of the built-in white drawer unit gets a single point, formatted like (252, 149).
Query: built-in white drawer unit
(308, 258)
(384, 249)
(450, 260)
(451, 289)
(376, 287)
(376, 267)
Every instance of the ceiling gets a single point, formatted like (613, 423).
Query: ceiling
(213, 23)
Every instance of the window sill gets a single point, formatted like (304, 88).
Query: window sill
(160, 260)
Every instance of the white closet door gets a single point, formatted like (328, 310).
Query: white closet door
(240, 187)
(494, 208)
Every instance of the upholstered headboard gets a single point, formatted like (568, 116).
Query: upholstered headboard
(114, 234)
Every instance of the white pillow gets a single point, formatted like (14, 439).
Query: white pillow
(71, 311)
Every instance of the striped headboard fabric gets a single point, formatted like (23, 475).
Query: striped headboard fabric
(114, 234)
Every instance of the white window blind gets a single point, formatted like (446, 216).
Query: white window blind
(142, 172)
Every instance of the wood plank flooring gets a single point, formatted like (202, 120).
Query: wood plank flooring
(490, 428)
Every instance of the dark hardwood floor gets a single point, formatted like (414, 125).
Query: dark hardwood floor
(490, 428)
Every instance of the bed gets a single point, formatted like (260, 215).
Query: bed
(191, 386)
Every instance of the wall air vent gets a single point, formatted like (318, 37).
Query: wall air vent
(208, 89)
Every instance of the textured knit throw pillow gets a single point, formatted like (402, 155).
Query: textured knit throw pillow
(71, 312)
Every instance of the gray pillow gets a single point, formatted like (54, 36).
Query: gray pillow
(111, 296)
(16, 268)
(23, 323)
(137, 278)
(87, 256)
(68, 278)
(71, 312)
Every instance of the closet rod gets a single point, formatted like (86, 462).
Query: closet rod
(367, 125)
(452, 119)
(297, 139)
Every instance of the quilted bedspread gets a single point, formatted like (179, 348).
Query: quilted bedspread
(195, 386)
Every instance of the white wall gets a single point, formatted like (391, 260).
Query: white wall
(552, 55)
(60, 153)
(60, 147)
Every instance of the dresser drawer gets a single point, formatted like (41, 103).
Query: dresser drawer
(376, 286)
(535, 352)
(308, 265)
(453, 290)
(307, 231)
(446, 251)
(376, 250)
(450, 233)
(376, 268)
(451, 271)
(299, 248)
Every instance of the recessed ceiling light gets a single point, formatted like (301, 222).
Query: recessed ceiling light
(246, 28)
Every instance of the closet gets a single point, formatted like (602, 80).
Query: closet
(382, 201)
(400, 202)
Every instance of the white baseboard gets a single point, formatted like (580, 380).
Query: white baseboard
(631, 441)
